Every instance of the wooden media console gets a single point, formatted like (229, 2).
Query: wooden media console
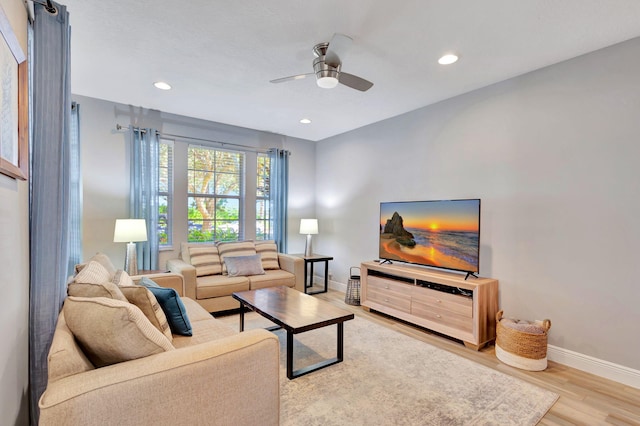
(438, 300)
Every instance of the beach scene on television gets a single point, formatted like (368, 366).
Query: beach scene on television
(443, 234)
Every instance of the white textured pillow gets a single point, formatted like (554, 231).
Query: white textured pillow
(121, 278)
(243, 266)
(93, 273)
(112, 331)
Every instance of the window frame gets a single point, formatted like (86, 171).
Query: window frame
(169, 193)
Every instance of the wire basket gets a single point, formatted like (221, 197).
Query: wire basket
(352, 295)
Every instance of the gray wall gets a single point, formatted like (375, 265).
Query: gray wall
(14, 274)
(105, 169)
(553, 155)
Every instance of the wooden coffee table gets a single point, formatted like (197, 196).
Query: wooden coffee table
(296, 312)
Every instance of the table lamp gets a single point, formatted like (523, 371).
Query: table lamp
(129, 231)
(309, 227)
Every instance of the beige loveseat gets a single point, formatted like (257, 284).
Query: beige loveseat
(207, 281)
(216, 376)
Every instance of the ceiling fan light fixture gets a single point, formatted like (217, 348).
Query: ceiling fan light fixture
(448, 59)
(327, 82)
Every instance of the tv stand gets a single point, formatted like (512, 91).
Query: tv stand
(441, 301)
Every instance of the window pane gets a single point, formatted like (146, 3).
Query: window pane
(215, 194)
(165, 192)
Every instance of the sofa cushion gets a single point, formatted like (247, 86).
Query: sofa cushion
(148, 304)
(243, 266)
(268, 251)
(171, 305)
(105, 289)
(273, 278)
(112, 331)
(102, 259)
(121, 278)
(205, 258)
(235, 248)
(219, 285)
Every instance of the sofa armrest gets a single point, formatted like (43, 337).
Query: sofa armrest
(208, 383)
(163, 279)
(295, 265)
(188, 273)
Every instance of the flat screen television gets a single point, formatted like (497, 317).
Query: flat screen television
(443, 234)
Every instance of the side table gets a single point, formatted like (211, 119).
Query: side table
(308, 267)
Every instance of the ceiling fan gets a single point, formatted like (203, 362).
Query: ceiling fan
(327, 66)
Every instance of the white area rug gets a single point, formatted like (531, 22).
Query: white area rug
(388, 378)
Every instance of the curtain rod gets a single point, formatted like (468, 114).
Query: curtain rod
(48, 5)
(169, 135)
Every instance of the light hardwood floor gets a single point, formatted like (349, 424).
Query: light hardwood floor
(585, 399)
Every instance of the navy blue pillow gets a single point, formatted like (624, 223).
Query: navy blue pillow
(172, 307)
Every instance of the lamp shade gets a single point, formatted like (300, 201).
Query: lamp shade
(308, 226)
(130, 230)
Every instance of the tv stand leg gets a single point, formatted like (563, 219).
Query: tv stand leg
(366, 308)
(472, 346)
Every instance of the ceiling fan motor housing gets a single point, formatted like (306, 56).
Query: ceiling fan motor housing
(326, 75)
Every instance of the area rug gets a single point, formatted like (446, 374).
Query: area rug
(388, 378)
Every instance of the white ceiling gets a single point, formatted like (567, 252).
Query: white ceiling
(220, 55)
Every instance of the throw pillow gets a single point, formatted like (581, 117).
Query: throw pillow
(206, 259)
(235, 248)
(148, 304)
(102, 259)
(242, 266)
(268, 251)
(93, 273)
(172, 306)
(105, 289)
(121, 278)
(112, 331)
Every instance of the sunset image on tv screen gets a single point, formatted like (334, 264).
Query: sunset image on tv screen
(443, 234)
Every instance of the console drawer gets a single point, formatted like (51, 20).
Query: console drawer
(389, 293)
(441, 316)
(440, 301)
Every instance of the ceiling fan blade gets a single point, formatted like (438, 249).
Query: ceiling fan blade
(338, 47)
(290, 78)
(354, 82)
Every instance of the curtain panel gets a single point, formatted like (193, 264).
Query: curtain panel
(278, 195)
(50, 228)
(145, 176)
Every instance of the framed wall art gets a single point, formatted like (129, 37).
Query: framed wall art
(14, 114)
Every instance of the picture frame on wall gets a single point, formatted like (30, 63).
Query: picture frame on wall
(14, 115)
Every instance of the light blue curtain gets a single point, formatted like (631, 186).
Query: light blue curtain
(75, 194)
(145, 175)
(50, 197)
(278, 195)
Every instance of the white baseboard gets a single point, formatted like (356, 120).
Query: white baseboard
(606, 369)
(598, 367)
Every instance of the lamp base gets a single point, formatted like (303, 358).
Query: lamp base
(131, 261)
(308, 249)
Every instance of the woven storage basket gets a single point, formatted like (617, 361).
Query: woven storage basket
(352, 295)
(520, 349)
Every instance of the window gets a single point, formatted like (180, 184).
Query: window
(215, 194)
(263, 215)
(165, 191)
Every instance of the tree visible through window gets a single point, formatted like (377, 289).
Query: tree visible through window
(215, 194)
(263, 215)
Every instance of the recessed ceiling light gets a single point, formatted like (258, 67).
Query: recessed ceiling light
(448, 59)
(305, 121)
(162, 85)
